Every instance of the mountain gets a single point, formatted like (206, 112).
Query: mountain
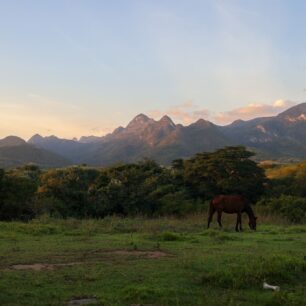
(161, 140)
(14, 151)
(281, 136)
(72, 150)
(11, 141)
(277, 137)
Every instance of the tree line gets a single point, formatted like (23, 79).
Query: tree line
(145, 188)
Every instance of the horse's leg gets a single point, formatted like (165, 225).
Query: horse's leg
(219, 217)
(238, 222)
(210, 215)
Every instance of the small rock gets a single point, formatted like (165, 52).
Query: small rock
(270, 287)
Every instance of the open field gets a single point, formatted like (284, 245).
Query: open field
(165, 261)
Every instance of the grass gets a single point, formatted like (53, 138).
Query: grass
(166, 261)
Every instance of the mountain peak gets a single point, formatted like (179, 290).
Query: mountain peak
(118, 130)
(11, 141)
(294, 112)
(202, 123)
(141, 117)
(35, 138)
(140, 120)
(166, 120)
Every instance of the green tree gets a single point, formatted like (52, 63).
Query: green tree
(17, 193)
(69, 188)
(226, 171)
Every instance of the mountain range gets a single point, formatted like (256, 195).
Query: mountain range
(281, 137)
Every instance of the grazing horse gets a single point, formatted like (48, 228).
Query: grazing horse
(231, 204)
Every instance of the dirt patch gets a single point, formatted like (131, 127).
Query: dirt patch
(142, 304)
(136, 253)
(41, 267)
(92, 257)
(82, 301)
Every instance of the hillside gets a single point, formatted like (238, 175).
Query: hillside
(279, 137)
(14, 151)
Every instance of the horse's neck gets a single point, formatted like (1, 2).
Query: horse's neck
(249, 211)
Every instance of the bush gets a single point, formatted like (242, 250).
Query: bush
(290, 207)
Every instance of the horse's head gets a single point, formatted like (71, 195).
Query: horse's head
(252, 223)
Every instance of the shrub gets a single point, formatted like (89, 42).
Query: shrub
(290, 207)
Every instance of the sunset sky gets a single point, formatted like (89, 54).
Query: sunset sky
(84, 67)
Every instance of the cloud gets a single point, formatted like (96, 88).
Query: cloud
(253, 110)
(188, 112)
(185, 113)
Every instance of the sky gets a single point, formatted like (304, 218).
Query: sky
(85, 67)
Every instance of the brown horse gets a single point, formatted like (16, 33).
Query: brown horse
(231, 204)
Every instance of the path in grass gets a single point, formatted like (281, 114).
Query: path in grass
(160, 262)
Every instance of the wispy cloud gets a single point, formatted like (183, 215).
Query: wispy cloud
(189, 112)
(253, 110)
(185, 113)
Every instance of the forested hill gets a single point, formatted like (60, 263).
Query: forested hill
(129, 189)
(14, 152)
(146, 188)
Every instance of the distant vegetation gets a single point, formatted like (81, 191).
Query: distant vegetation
(146, 188)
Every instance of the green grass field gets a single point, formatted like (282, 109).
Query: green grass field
(165, 261)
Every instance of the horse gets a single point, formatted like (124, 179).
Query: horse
(231, 204)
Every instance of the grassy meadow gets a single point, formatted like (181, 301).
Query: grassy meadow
(165, 261)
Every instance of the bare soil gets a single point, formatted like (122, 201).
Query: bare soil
(82, 301)
(97, 254)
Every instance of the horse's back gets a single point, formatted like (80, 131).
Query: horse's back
(229, 203)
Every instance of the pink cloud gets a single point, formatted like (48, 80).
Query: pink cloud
(185, 113)
(188, 112)
(253, 110)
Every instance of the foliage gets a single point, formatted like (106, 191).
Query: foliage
(288, 180)
(226, 171)
(147, 188)
(18, 188)
(291, 207)
(69, 190)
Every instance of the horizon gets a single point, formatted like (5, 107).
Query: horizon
(133, 118)
(76, 68)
